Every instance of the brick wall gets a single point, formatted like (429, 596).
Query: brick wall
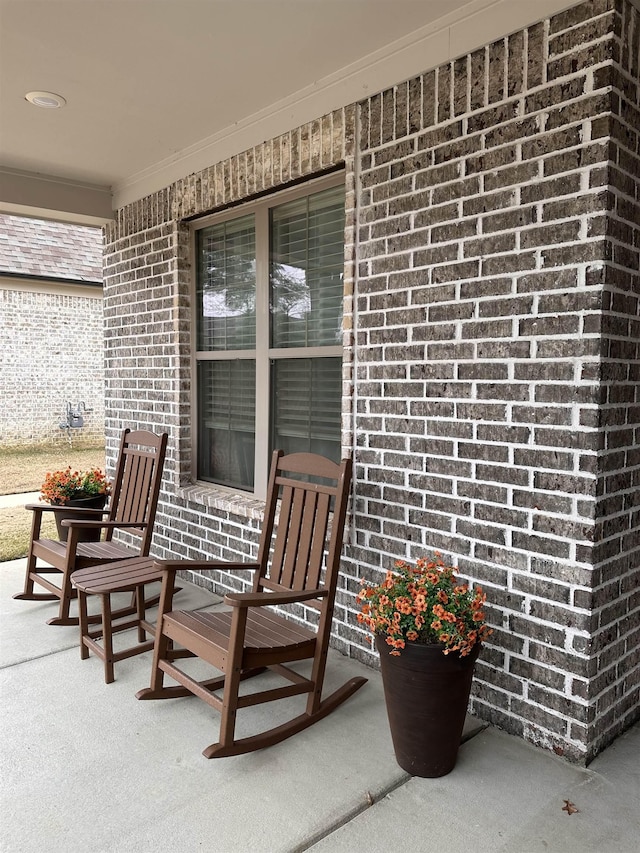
(497, 318)
(615, 555)
(491, 385)
(51, 353)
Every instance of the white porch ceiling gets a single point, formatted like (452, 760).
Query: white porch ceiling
(157, 89)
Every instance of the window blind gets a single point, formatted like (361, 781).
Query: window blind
(306, 405)
(227, 409)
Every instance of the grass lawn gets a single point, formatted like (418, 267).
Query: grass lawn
(23, 470)
(15, 530)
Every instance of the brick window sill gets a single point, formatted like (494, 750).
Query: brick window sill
(235, 503)
(226, 500)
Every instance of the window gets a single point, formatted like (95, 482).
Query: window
(269, 295)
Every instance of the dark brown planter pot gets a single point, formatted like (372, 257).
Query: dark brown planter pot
(426, 694)
(96, 502)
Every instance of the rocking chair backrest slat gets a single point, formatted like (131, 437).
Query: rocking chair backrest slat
(300, 542)
(122, 511)
(304, 539)
(299, 518)
(319, 531)
(277, 573)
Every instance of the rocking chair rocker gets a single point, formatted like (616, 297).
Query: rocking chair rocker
(250, 638)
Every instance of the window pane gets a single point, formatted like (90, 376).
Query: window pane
(227, 415)
(226, 289)
(306, 405)
(306, 270)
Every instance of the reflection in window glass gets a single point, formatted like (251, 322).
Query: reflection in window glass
(226, 290)
(306, 270)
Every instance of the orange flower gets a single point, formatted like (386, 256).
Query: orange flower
(397, 606)
(420, 602)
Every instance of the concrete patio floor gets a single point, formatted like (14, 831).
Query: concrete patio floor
(87, 767)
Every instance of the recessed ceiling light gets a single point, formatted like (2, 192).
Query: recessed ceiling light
(45, 99)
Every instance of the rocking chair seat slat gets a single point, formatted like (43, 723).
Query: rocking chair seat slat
(94, 552)
(103, 552)
(265, 631)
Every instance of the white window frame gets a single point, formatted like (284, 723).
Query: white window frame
(262, 352)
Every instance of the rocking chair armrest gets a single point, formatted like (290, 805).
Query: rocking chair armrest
(264, 599)
(42, 507)
(95, 523)
(74, 522)
(203, 565)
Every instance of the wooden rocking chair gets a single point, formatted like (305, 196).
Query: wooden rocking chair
(250, 638)
(132, 508)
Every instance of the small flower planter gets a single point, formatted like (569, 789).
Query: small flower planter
(96, 502)
(426, 694)
(71, 489)
(428, 628)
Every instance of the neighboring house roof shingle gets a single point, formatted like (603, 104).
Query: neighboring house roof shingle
(37, 247)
